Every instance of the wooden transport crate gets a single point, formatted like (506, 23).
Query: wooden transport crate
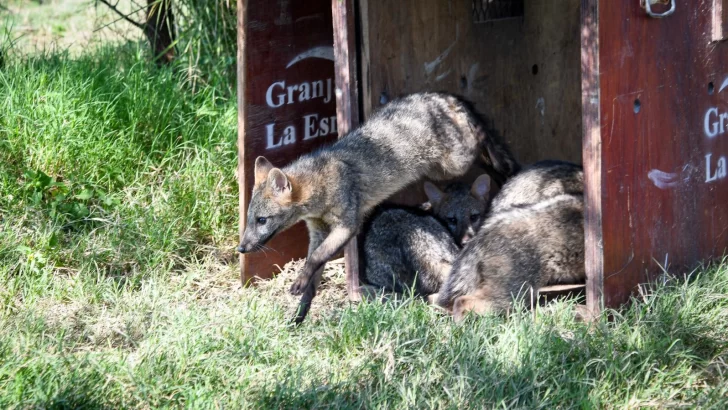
(637, 93)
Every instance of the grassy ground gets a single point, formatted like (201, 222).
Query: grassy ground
(70, 25)
(119, 287)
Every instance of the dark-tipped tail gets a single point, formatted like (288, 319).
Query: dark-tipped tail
(497, 157)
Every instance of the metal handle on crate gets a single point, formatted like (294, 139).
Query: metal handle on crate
(647, 5)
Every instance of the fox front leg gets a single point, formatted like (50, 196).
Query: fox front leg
(337, 238)
(317, 232)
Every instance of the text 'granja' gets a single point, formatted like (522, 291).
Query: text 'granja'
(279, 94)
(313, 125)
(714, 122)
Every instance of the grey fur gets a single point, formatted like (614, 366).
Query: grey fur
(539, 181)
(533, 236)
(462, 208)
(431, 135)
(407, 248)
(529, 246)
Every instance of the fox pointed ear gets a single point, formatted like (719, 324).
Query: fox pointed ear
(278, 182)
(262, 168)
(481, 187)
(433, 193)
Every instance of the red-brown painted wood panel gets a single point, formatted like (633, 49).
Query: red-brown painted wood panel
(286, 100)
(664, 140)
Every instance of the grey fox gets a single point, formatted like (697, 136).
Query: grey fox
(533, 236)
(431, 135)
(529, 245)
(461, 207)
(539, 181)
(408, 248)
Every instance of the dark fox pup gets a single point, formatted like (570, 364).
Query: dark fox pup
(432, 135)
(533, 236)
(408, 248)
(460, 207)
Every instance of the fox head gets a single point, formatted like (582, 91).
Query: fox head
(461, 209)
(272, 208)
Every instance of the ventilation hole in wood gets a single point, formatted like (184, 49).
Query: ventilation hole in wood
(534, 69)
(637, 106)
(711, 88)
(383, 98)
(489, 10)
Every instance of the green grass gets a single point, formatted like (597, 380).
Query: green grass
(64, 24)
(118, 214)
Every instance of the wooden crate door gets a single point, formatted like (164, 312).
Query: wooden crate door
(286, 100)
(663, 95)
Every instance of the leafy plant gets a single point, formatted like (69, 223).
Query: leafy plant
(66, 202)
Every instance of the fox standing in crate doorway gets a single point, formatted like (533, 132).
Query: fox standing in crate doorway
(432, 135)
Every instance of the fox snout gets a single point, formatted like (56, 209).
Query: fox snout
(467, 235)
(247, 246)
(249, 243)
(466, 238)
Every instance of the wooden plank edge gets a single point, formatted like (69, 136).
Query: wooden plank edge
(347, 110)
(240, 77)
(592, 157)
(562, 288)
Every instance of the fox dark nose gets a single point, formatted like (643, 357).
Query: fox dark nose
(241, 248)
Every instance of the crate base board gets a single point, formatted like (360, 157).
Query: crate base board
(545, 295)
(549, 293)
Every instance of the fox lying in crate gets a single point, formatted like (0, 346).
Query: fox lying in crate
(533, 237)
(424, 135)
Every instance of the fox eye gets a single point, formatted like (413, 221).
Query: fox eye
(474, 217)
(261, 220)
(452, 221)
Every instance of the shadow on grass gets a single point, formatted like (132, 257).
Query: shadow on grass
(654, 354)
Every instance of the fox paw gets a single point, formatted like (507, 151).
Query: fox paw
(299, 285)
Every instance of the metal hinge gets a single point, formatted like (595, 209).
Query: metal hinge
(647, 5)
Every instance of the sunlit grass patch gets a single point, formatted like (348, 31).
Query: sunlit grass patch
(119, 285)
